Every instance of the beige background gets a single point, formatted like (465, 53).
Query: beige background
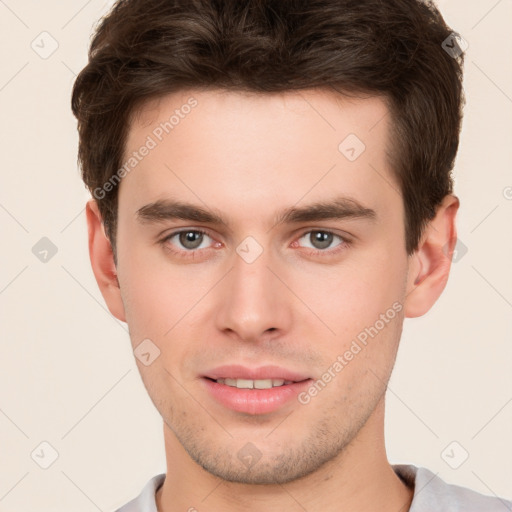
(67, 374)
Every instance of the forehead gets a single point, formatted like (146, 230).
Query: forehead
(219, 144)
(322, 109)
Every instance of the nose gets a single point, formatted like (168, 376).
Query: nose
(253, 303)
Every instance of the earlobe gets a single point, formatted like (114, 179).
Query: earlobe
(102, 261)
(429, 266)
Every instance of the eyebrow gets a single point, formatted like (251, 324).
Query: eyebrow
(337, 209)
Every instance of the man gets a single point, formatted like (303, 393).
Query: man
(271, 199)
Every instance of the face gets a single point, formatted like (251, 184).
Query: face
(254, 233)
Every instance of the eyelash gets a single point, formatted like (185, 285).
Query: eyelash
(344, 243)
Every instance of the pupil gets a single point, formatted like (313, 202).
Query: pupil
(321, 239)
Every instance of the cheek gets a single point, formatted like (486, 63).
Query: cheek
(149, 297)
(352, 295)
(161, 297)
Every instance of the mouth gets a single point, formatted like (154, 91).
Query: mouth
(253, 384)
(254, 391)
(247, 378)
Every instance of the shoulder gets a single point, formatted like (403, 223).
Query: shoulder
(145, 501)
(433, 493)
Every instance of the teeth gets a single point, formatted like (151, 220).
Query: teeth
(254, 384)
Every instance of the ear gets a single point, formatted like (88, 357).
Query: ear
(102, 261)
(429, 265)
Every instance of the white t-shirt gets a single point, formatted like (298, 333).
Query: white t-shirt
(431, 494)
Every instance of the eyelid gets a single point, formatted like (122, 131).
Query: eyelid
(332, 231)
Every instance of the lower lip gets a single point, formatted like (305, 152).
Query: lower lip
(254, 401)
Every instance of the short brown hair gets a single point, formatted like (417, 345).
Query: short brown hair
(148, 48)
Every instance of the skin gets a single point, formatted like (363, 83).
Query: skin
(247, 157)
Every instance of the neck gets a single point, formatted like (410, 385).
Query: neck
(359, 478)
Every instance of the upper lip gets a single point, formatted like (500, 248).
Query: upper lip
(235, 371)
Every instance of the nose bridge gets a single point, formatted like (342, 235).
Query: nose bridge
(253, 300)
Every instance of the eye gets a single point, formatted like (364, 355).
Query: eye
(189, 239)
(321, 240)
(188, 242)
